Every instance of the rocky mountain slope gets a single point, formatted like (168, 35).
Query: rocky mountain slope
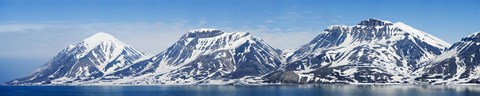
(373, 51)
(459, 65)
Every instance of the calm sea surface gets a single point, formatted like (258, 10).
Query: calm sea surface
(324, 90)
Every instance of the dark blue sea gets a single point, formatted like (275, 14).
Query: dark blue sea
(323, 90)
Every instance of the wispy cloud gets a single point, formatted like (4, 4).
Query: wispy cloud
(21, 27)
(293, 15)
(202, 22)
(45, 40)
(269, 21)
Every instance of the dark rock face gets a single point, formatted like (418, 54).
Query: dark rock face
(374, 22)
(281, 76)
(203, 33)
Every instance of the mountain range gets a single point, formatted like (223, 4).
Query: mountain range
(373, 51)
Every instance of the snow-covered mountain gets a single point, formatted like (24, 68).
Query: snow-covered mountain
(459, 65)
(90, 59)
(205, 56)
(373, 51)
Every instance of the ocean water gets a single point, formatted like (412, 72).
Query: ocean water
(323, 90)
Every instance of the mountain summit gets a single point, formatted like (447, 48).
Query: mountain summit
(90, 59)
(203, 33)
(374, 22)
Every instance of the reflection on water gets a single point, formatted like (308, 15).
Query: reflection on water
(328, 90)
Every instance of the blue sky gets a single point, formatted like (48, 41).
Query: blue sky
(33, 31)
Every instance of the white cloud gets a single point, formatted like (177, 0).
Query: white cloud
(21, 27)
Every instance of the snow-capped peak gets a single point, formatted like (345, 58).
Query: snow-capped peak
(205, 39)
(92, 58)
(99, 37)
(203, 33)
(426, 37)
(374, 22)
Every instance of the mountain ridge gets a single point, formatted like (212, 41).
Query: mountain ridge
(203, 55)
(372, 51)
